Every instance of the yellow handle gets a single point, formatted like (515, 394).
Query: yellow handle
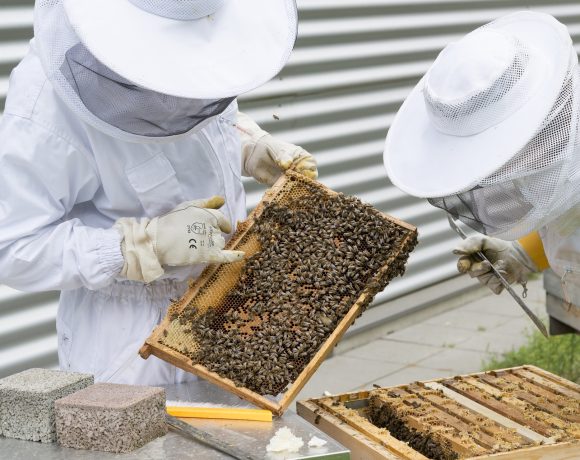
(220, 413)
(534, 247)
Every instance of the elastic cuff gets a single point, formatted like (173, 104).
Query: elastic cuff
(109, 250)
(533, 247)
(140, 260)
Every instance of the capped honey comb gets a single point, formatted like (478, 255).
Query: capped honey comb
(312, 256)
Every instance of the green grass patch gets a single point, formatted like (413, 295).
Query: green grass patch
(559, 354)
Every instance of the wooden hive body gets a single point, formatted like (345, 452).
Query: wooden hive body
(172, 342)
(518, 413)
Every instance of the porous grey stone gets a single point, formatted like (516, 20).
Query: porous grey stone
(27, 402)
(111, 417)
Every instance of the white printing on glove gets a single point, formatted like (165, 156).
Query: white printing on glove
(189, 234)
(507, 256)
(265, 158)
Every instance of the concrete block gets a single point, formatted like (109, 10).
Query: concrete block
(111, 417)
(27, 402)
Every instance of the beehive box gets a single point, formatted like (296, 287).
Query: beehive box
(261, 327)
(518, 413)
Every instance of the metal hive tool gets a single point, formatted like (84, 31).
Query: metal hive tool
(261, 327)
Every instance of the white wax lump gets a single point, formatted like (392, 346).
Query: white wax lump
(284, 441)
(316, 442)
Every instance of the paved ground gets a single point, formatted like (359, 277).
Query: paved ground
(455, 342)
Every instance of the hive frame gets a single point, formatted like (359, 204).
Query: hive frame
(153, 345)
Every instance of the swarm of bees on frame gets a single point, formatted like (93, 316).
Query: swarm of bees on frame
(319, 253)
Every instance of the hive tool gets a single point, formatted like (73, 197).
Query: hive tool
(208, 439)
(503, 281)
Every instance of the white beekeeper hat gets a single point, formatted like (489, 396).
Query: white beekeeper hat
(115, 62)
(188, 48)
(479, 104)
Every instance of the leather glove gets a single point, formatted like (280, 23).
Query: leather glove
(189, 234)
(265, 158)
(507, 256)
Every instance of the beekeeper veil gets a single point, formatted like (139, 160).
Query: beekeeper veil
(145, 70)
(490, 134)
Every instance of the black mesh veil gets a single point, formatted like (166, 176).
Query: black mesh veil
(130, 108)
(486, 210)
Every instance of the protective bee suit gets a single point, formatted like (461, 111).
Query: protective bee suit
(491, 135)
(116, 147)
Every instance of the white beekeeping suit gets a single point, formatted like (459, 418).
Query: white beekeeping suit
(118, 144)
(491, 135)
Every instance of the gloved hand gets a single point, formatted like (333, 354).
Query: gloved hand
(507, 256)
(189, 234)
(265, 158)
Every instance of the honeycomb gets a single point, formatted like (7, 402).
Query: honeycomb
(311, 255)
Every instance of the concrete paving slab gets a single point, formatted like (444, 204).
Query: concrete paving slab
(392, 351)
(456, 361)
(465, 319)
(493, 305)
(341, 374)
(503, 304)
(521, 325)
(423, 333)
(494, 342)
(407, 375)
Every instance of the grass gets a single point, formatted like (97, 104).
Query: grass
(559, 355)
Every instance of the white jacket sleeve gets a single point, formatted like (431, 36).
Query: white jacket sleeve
(42, 178)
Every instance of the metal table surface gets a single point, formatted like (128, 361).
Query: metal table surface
(252, 437)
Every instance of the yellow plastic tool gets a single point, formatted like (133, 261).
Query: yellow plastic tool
(225, 413)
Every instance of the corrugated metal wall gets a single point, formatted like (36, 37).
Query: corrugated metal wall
(354, 63)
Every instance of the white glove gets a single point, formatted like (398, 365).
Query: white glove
(507, 256)
(265, 158)
(189, 234)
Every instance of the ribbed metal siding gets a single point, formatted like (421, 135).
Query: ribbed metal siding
(354, 63)
(27, 321)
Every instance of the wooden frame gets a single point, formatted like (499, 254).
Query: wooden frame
(367, 441)
(153, 345)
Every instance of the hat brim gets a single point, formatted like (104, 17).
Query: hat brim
(237, 49)
(426, 163)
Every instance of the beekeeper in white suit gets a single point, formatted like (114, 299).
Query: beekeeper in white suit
(119, 142)
(490, 135)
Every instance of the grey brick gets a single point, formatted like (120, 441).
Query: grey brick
(27, 402)
(111, 417)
